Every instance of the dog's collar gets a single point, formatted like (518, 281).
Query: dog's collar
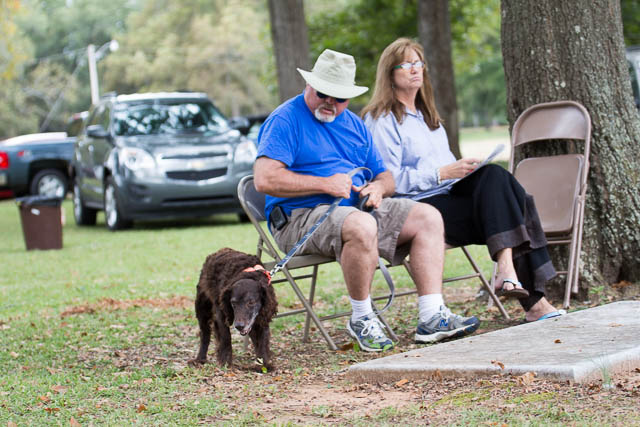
(258, 267)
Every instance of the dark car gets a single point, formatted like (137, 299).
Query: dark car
(157, 155)
(36, 164)
(633, 58)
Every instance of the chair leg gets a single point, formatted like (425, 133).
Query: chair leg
(574, 287)
(309, 309)
(312, 293)
(486, 285)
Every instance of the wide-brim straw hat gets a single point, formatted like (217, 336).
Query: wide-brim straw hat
(334, 74)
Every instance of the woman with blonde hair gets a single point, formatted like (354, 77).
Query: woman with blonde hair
(487, 207)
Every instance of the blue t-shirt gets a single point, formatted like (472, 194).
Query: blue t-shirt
(292, 135)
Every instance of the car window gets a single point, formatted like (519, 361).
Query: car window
(75, 124)
(96, 116)
(169, 117)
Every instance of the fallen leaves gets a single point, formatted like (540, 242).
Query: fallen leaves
(621, 284)
(60, 389)
(141, 408)
(401, 382)
(498, 364)
(526, 379)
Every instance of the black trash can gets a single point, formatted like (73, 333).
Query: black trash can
(41, 219)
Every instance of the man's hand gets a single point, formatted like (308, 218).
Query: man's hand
(338, 185)
(459, 169)
(272, 177)
(375, 191)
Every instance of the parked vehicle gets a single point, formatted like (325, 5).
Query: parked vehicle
(633, 57)
(157, 155)
(36, 164)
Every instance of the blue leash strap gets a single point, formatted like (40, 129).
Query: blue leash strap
(279, 266)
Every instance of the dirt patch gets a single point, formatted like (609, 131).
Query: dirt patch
(110, 304)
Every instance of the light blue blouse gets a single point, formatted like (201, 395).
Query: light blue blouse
(412, 152)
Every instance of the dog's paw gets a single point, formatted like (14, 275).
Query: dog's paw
(197, 362)
(261, 366)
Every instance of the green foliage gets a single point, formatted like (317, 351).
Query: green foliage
(221, 48)
(631, 21)
(14, 47)
(364, 28)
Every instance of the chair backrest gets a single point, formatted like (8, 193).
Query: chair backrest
(250, 199)
(555, 182)
(561, 174)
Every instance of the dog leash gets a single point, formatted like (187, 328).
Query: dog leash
(385, 272)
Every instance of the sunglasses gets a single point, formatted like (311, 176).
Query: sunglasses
(323, 96)
(409, 65)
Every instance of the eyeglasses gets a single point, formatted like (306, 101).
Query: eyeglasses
(323, 96)
(409, 65)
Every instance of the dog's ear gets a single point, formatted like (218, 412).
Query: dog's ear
(225, 305)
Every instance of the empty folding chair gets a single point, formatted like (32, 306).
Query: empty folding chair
(558, 183)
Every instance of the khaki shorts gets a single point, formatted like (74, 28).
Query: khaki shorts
(327, 239)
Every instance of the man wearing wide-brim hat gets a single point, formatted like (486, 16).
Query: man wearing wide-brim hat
(306, 148)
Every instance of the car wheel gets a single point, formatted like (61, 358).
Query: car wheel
(49, 183)
(82, 214)
(112, 212)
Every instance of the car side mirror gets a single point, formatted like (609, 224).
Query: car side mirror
(97, 131)
(240, 123)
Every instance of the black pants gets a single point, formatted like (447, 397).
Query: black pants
(491, 208)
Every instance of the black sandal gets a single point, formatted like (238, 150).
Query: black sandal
(517, 292)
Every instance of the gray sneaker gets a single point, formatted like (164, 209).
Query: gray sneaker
(445, 324)
(368, 332)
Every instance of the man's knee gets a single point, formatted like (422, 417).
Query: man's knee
(427, 217)
(360, 227)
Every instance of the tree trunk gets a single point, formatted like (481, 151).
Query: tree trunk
(556, 50)
(434, 29)
(290, 45)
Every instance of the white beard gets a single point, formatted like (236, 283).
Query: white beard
(324, 118)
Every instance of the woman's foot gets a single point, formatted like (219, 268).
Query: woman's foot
(512, 289)
(539, 309)
(507, 283)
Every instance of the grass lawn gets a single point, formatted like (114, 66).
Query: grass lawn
(100, 333)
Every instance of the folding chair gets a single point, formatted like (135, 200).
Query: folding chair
(558, 183)
(253, 203)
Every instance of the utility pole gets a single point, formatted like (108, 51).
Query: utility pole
(93, 74)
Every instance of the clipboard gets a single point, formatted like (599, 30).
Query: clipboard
(446, 185)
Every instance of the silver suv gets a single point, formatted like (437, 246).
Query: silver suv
(157, 155)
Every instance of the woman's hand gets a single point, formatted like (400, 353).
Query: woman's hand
(459, 169)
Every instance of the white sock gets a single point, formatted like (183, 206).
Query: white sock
(360, 308)
(428, 305)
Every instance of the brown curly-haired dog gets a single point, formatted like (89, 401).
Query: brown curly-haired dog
(234, 289)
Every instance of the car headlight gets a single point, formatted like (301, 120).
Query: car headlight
(245, 152)
(137, 160)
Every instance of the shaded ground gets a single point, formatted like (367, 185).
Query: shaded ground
(309, 385)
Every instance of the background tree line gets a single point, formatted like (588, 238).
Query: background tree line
(224, 47)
